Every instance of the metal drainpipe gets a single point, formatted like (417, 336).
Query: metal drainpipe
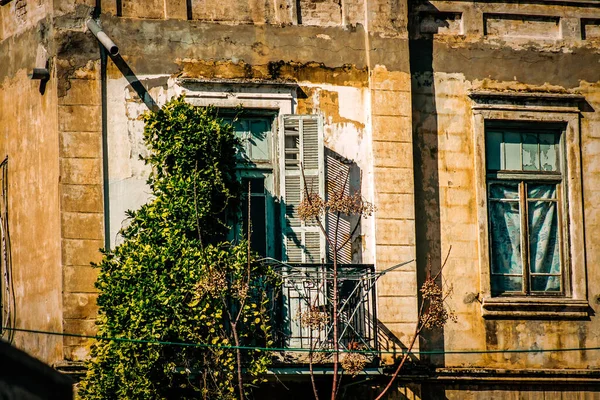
(108, 47)
(105, 176)
(102, 37)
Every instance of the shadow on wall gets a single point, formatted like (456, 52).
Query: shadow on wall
(425, 150)
(135, 83)
(343, 176)
(147, 99)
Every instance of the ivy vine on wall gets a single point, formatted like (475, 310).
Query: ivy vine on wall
(175, 278)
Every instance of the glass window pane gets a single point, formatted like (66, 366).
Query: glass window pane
(504, 190)
(259, 138)
(241, 132)
(531, 159)
(541, 191)
(493, 150)
(240, 128)
(545, 283)
(549, 151)
(512, 151)
(257, 185)
(505, 235)
(501, 284)
(544, 252)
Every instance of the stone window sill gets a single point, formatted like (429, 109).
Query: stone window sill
(534, 308)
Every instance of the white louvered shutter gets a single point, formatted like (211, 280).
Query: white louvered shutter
(301, 142)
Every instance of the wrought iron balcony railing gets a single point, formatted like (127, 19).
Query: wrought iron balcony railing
(305, 310)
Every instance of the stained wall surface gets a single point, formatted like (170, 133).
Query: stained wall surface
(495, 48)
(393, 80)
(330, 66)
(29, 137)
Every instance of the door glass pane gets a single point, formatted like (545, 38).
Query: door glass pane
(257, 185)
(549, 151)
(512, 151)
(258, 215)
(544, 252)
(493, 150)
(505, 237)
(258, 237)
(531, 160)
(259, 138)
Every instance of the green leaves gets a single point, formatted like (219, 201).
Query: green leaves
(174, 278)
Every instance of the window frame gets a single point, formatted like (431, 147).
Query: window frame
(523, 178)
(526, 109)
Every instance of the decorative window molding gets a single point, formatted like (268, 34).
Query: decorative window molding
(534, 108)
(229, 94)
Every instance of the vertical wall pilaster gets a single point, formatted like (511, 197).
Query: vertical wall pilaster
(81, 203)
(394, 191)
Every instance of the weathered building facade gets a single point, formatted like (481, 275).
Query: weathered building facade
(473, 124)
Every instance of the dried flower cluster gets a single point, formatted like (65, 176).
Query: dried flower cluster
(349, 204)
(211, 283)
(239, 289)
(314, 318)
(436, 314)
(353, 363)
(313, 206)
(320, 357)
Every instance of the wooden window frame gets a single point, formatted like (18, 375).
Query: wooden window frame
(522, 179)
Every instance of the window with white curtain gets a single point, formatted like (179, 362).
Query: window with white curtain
(525, 205)
(529, 202)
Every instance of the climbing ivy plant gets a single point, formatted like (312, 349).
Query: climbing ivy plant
(176, 279)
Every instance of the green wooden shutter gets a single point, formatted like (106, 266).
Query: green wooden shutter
(301, 143)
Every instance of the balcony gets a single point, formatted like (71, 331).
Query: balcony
(305, 310)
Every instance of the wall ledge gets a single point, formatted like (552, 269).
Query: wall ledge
(492, 94)
(534, 308)
(519, 376)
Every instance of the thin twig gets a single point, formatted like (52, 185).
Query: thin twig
(310, 366)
